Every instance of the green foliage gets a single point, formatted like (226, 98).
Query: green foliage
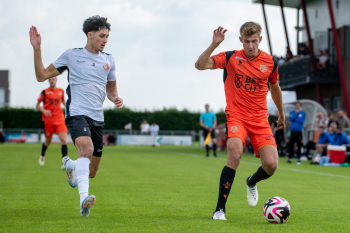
(167, 119)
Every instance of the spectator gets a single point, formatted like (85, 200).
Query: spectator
(297, 119)
(303, 49)
(281, 61)
(144, 127)
(323, 140)
(111, 139)
(311, 145)
(340, 138)
(2, 136)
(279, 135)
(343, 121)
(154, 129)
(321, 120)
(330, 118)
(322, 60)
(332, 130)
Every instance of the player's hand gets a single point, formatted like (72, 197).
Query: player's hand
(118, 102)
(35, 38)
(219, 35)
(47, 113)
(281, 124)
(210, 130)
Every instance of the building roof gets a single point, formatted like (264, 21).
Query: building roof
(286, 3)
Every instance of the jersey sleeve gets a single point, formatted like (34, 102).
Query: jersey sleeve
(274, 76)
(41, 96)
(61, 64)
(219, 60)
(111, 74)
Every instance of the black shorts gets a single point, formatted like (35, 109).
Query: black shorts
(84, 126)
(205, 133)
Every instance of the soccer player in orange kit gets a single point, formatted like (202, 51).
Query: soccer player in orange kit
(247, 73)
(53, 117)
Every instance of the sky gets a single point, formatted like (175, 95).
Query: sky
(155, 44)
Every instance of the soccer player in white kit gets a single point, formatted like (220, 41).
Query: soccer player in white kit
(91, 76)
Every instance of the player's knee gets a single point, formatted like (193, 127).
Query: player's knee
(87, 152)
(271, 167)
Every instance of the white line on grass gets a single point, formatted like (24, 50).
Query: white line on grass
(258, 164)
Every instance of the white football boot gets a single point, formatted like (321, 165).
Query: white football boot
(86, 205)
(252, 194)
(71, 175)
(219, 215)
(42, 160)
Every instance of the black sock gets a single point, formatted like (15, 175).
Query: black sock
(207, 149)
(226, 180)
(43, 149)
(259, 175)
(214, 149)
(64, 150)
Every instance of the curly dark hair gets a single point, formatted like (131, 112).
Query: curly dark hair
(95, 23)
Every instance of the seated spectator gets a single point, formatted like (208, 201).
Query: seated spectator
(303, 49)
(2, 136)
(321, 120)
(340, 138)
(343, 121)
(322, 60)
(111, 139)
(332, 130)
(330, 118)
(323, 140)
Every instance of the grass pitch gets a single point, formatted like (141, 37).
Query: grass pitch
(165, 189)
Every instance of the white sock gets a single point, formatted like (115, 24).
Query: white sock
(82, 171)
(71, 164)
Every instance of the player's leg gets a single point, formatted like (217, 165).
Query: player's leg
(236, 135)
(64, 148)
(97, 140)
(205, 134)
(234, 154)
(265, 147)
(49, 130)
(213, 138)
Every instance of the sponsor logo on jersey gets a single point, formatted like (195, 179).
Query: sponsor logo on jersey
(49, 92)
(234, 129)
(251, 83)
(263, 68)
(240, 58)
(99, 150)
(106, 67)
(80, 61)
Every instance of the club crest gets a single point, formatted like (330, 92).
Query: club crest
(106, 67)
(263, 68)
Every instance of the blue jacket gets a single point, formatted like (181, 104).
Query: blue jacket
(324, 138)
(340, 139)
(297, 120)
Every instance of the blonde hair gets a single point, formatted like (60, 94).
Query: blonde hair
(250, 28)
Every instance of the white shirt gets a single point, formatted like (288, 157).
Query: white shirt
(88, 74)
(145, 128)
(154, 129)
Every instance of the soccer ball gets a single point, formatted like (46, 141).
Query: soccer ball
(276, 210)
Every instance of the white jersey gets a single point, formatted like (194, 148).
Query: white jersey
(88, 74)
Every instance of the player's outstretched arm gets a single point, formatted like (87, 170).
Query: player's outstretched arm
(43, 110)
(42, 74)
(112, 94)
(276, 95)
(204, 62)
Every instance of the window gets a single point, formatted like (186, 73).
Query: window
(336, 103)
(347, 42)
(337, 4)
(325, 102)
(321, 42)
(2, 96)
(316, 13)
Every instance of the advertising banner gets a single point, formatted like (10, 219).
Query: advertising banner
(154, 140)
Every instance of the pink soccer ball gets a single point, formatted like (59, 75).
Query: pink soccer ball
(276, 210)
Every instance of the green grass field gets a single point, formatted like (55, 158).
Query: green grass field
(165, 189)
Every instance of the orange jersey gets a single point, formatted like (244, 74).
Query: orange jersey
(246, 83)
(52, 101)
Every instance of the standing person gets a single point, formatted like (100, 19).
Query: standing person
(53, 117)
(279, 135)
(247, 73)
(297, 119)
(144, 127)
(208, 122)
(91, 76)
(154, 129)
